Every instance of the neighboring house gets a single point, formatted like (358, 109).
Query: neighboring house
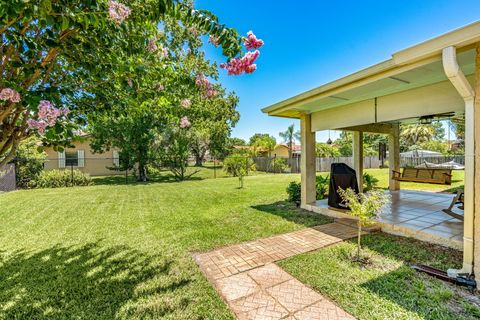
(280, 151)
(81, 157)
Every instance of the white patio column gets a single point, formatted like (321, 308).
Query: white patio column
(476, 187)
(463, 87)
(307, 165)
(394, 156)
(358, 157)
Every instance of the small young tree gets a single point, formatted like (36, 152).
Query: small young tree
(364, 206)
(238, 165)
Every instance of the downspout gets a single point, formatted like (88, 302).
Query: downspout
(461, 84)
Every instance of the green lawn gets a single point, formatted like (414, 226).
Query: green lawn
(207, 171)
(125, 251)
(117, 250)
(382, 176)
(386, 288)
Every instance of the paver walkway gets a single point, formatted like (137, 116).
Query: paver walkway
(256, 288)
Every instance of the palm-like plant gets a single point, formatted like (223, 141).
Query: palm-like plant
(289, 136)
(417, 133)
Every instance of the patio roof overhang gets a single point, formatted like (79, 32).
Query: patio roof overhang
(410, 84)
(433, 78)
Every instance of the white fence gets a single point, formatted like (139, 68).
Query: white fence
(415, 161)
(324, 164)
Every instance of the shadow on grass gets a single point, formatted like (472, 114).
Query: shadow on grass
(424, 295)
(453, 189)
(88, 282)
(131, 180)
(410, 250)
(289, 211)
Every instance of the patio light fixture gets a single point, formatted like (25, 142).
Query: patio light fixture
(426, 120)
(329, 141)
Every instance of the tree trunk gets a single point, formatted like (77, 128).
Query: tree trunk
(358, 238)
(198, 160)
(290, 147)
(142, 173)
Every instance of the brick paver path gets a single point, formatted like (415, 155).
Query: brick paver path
(256, 288)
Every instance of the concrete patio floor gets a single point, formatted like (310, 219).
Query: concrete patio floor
(415, 214)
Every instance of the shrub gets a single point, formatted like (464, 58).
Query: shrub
(369, 182)
(61, 178)
(321, 184)
(279, 165)
(293, 191)
(29, 162)
(238, 166)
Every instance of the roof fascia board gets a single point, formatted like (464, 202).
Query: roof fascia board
(458, 38)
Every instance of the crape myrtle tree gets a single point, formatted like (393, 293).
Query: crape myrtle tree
(165, 106)
(54, 53)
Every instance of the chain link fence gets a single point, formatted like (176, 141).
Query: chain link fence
(7, 177)
(108, 170)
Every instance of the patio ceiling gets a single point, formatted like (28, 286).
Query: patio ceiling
(409, 69)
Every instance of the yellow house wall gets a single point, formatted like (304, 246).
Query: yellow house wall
(95, 163)
(280, 151)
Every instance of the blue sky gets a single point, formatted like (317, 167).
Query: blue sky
(308, 43)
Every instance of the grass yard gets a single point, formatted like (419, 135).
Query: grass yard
(117, 250)
(387, 288)
(382, 176)
(207, 171)
(124, 251)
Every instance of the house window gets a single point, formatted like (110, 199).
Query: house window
(71, 158)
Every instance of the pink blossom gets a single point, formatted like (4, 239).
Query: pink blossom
(213, 40)
(186, 103)
(184, 123)
(207, 89)
(152, 46)
(47, 116)
(210, 93)
(130, 82)
(251, 42)
(10, 94)
(245, 64)
(159, 86)
(40, 126)
(201, 81)
(164, 53)
(118, 11)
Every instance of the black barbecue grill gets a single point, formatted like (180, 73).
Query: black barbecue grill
(341, 176)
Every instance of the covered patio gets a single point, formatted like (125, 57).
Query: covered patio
(415, 214)
(433, 80)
